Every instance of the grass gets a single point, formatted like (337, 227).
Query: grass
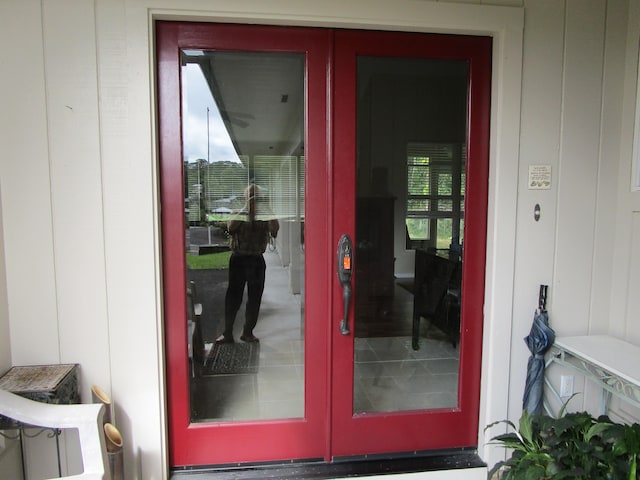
(213, 261)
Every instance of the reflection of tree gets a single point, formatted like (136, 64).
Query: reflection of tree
(225, 183)
(213, 186)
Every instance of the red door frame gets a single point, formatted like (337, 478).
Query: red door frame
(411, 431)
(329, 428)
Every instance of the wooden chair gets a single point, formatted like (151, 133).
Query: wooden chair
(434, 278)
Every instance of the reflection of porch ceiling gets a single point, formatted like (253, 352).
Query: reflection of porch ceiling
(261, 95)
(261, 99)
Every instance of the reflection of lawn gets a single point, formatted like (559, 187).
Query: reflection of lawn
(213, 261)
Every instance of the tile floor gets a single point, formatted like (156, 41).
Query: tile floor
(389, 375)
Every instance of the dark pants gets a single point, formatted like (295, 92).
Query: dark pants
(244, 270)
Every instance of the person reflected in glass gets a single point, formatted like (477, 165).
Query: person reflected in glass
(250, 229)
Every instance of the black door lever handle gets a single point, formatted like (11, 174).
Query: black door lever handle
(346, 296)
(345, 267)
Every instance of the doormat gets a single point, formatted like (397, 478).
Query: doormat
(232, 359)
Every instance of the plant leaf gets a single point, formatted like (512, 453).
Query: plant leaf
(495, 468)
(509, 440)
(536, 472)
(526, 428)
(596, 429)
(498, 422)
(565, 404)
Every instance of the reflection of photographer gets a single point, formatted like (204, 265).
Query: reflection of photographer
(250, 230)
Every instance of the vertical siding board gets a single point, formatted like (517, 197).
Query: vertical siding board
(633, 299)
(623, 318)
(578, 169)
(128, 174)
(76, 191)
(604, 283)
(26, 196)
(539, 144)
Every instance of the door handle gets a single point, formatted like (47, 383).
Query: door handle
(345, 267)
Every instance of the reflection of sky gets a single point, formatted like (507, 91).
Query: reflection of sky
(196, 97)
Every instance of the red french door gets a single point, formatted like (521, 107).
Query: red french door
(379, 136)
(410, 149)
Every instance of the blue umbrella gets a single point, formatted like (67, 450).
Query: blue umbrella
(539, 340)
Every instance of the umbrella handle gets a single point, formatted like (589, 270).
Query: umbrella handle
(542, 298)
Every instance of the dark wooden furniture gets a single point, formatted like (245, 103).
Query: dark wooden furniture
(374, 248)
(436, 297)
(374, 264)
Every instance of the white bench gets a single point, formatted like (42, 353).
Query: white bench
(611, 363)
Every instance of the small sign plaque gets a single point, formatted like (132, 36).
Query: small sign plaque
(539, 177)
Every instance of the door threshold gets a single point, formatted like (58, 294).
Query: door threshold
(451, 461)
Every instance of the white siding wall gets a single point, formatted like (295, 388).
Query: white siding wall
(582, 58)
(26, 189)
(563, 105)
(78, 183)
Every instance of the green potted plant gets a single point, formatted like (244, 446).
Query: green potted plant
(572, 446)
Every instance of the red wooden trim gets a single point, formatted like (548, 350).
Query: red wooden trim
(170, 155)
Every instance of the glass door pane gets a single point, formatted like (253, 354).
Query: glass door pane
(243, 149)
(411, 146)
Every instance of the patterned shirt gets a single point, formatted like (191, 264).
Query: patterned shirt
(250, 238)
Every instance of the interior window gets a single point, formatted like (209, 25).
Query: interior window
(435, 196)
